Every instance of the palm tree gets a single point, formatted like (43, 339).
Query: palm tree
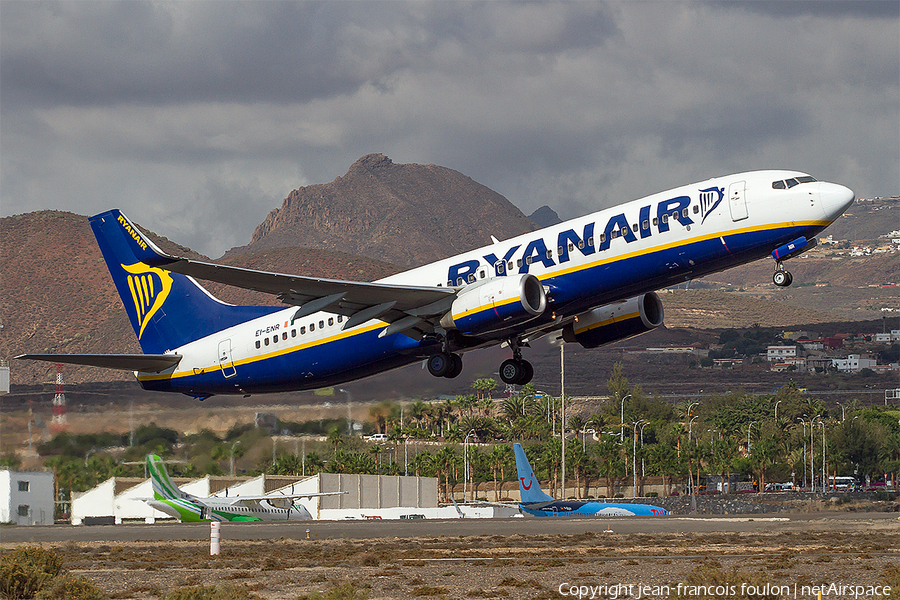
(484, 387)
(763, 455)
(497, 457)
(723, 453)
(580, 460)
(609, 460)
(335, 438)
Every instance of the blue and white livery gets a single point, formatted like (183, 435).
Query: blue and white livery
(535, 502)
(592, 279)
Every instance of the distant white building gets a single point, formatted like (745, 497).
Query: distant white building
(853, 363)
(121, 499)
(26, 498)
(780, 353)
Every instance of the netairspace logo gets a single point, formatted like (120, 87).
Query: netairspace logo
(745, 590)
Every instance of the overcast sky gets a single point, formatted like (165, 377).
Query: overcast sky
(198, 118)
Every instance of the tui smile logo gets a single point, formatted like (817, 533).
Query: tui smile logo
(149, 288)
(530, 482)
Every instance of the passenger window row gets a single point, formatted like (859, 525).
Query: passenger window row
(312, 327)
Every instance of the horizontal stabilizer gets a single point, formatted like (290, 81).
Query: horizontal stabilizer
(126, 362)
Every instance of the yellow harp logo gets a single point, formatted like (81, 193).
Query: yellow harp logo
(149, 289)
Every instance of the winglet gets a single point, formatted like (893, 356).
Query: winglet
(144, 250)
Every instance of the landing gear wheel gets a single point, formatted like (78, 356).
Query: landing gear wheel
(782, 278)
(439, 364)
(456, 366)
(510, 370)
(515, 371)
(528, 374)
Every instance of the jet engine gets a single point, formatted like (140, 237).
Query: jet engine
(496, 304)
(615, 322)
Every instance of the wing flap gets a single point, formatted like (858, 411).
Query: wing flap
(149, 363)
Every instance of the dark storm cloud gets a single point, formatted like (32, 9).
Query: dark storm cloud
(102, 53)
(868, 9)
(197, 118)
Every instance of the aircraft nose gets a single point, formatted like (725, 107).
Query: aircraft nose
(835, 199)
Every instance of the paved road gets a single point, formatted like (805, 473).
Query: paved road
(837, 521)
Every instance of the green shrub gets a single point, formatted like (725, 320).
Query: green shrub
(211, 592)
(345, 591)
(26, 571)
(710, 582)
(70, 587)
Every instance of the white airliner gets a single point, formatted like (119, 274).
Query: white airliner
(592, 279)
(170, 499)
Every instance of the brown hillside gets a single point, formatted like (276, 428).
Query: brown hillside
(404, 214)
(57, 295)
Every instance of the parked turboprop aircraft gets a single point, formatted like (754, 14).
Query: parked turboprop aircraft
(168, 498)
(591, 278)
(535, 502)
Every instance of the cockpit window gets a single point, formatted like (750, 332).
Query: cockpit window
(789, 183)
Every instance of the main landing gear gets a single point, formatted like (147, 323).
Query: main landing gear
(445, 364)
(516, 370)
(781, 277)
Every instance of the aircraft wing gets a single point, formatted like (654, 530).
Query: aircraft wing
(406, 307)
(242, 498)
(148, 363)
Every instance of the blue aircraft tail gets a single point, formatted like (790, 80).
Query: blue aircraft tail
(167, 310)
(529, 487)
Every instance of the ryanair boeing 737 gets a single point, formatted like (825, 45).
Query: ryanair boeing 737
(592, 279)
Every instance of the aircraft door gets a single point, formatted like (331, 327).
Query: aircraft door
(737, 200)
(225, 361)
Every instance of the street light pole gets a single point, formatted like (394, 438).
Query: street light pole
(622, 420)
(822, 423)
(776, 410)
(748, 436)
(804, 449)
(466, 463)
(634, 457)
(562, 412)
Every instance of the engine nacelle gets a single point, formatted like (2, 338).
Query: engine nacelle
(615, 322)
(496, 304)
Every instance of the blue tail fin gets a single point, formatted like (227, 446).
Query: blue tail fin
(529, 487)
(167, 310)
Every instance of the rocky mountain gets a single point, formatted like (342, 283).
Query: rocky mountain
(405, 214)
(545, 217)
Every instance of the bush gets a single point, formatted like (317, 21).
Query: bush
(26, 571)
(69, 587)
(211, 592)
(345, 591)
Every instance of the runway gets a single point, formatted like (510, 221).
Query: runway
(322, 530)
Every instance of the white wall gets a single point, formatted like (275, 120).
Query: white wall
(37, 498)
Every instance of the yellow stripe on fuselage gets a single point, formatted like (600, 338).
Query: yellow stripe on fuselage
(661, 247)
(268, 355)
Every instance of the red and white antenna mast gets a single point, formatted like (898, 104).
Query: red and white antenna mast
(58, 422)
